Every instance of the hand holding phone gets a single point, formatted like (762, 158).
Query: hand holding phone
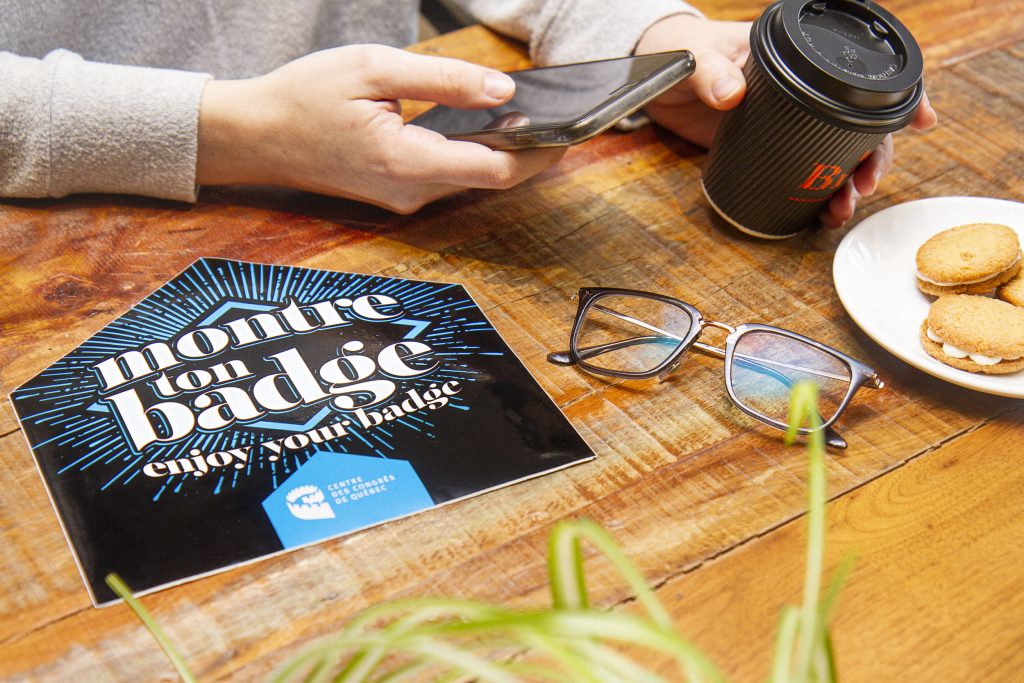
(337, 129)
(564, 105)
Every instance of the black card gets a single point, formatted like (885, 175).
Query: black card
(242, 410)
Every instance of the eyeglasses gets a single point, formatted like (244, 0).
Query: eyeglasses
(631, 334)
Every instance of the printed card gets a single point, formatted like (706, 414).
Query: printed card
(242, 410)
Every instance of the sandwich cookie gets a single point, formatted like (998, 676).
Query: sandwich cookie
(975, 333)
(968, 259)
(1013, 291)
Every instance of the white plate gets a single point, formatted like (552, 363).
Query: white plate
(874, 276)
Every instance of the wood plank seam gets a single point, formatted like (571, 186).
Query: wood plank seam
(908, 189)
(728, 550)
(581, 226)
(14, 638)
(689, 569)
(966, 57)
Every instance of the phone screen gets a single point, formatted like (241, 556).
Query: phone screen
(548, 95)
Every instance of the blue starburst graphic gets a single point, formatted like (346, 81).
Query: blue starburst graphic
(67, 412)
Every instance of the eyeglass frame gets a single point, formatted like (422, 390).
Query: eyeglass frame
(860, 373)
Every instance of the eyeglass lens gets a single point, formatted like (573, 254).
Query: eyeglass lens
(766, 366)
(629, 333)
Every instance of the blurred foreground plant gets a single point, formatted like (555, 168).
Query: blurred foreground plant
(439, 639)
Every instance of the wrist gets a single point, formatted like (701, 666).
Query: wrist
(665, 34)
(231, 134)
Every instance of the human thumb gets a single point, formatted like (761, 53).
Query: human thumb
(397, 74)
(717, 81)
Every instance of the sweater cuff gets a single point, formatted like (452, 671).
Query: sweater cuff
(613, 32)
(123, 129)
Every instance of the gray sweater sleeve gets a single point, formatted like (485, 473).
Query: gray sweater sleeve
(563, 31)
(68, 125)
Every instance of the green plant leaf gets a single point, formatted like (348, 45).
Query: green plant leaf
(122, 591)
(784, 639)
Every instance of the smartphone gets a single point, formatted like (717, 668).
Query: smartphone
(556, 106)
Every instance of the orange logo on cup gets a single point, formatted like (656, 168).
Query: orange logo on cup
(824, 177)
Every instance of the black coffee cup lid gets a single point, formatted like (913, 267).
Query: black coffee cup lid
(848, 59)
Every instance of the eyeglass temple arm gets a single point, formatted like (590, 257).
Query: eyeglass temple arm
(661, 337)
(832, 437)
(871, 381)
(565, 357)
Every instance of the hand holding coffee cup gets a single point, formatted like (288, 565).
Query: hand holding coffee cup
(694, 109)
(826, 83)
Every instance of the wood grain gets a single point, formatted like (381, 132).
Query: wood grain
(937, 592)
(690, 487)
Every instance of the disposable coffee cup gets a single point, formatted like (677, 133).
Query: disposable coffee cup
(826, 81)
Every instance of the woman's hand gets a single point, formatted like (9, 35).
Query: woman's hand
(693, 109)
(330, 122)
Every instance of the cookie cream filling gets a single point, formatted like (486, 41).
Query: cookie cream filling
(955, 352)
(967, 282)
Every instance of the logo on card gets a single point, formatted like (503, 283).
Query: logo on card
(335, 493)
(308, 502)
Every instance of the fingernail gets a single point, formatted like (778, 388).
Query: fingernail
(876, 178)
(498, 86)
(725, 87)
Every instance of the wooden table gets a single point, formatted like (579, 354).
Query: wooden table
(929, 496)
